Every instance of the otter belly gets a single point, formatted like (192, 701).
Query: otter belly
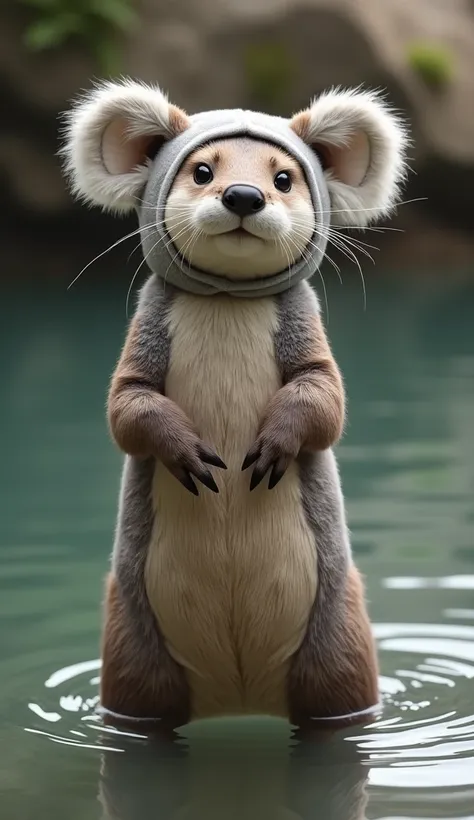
(231, 577)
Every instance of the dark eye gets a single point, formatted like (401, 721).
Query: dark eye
(282, 182)
(203, 174)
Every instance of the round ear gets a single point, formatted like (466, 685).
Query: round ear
(111, 135)
(361, 145)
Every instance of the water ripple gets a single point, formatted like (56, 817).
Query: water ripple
(424, 737)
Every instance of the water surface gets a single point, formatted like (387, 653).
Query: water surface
(407, 464)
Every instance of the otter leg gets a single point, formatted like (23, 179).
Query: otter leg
(139, 678)
(334, 674)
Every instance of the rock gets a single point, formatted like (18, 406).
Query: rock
(32, 175)
(273, 54)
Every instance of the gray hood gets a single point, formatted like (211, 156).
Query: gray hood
(212, 125)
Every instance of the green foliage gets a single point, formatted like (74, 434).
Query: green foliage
(268, 70)
(433, 63)
(95, 22)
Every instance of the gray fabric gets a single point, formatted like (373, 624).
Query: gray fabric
(160, 252)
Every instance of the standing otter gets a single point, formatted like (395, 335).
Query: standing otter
(242, 598)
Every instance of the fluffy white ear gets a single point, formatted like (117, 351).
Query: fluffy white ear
(111, 134)
(361, 144)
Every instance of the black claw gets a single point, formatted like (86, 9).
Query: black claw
(276, 475)
(206, 478)
(250, 458)
(257, 476)
(188, 483)
(207, 455)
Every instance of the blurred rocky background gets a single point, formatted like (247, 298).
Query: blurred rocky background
(269, 54)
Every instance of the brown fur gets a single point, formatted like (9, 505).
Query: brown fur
(145, 423)
(142, 421)
(336, 674)
(302, 125)
(178, 120)
(307, 412)
(128, 686)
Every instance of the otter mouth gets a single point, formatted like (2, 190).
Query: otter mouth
(239, 232)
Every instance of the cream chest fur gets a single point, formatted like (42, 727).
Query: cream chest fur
(231, 577)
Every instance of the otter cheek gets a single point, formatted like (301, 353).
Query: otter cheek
(302, 226)
(213, 218)
(270, 223)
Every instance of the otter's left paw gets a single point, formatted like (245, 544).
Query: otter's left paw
(274, 449)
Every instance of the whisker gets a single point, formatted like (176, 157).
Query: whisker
(323, 282)
(367, 210)
(191, 244)
(326, 255)
(110, 248)
(145, 258)
(378, 229)
(186, 245)
(137, 272)
(344, 244)
(335, 231)
(180, 233)
(199, 232)
(134, 250)
(350, 255)
(287, 251)
(154, 246)
(170, 264)
(356, 242)
(131, 286)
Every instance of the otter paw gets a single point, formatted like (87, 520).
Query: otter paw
(190, 462)
(269, 452)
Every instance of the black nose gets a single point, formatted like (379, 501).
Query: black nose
(243, 200)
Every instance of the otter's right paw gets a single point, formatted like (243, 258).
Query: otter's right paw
(189, 459)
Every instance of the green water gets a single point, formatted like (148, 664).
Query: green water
(407, 465)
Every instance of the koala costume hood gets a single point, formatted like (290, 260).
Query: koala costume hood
(207, 127)
(110, 129)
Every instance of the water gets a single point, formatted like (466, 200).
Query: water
(407, 464)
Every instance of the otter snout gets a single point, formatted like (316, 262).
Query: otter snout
(243, 200)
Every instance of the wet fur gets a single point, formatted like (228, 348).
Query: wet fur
(245, 620)
(231, 577)
(245, 598)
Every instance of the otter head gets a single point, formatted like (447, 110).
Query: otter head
(233, 200)
(241, 208)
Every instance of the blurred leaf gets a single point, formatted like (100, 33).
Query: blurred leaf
(41, 4)
(433, 63)
(269, 71)
(108, 57)
(117, 12)
(52, 31)
(95, 21)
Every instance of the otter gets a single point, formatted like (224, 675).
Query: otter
(232, 587)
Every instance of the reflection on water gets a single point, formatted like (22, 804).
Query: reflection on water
(407, 464)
